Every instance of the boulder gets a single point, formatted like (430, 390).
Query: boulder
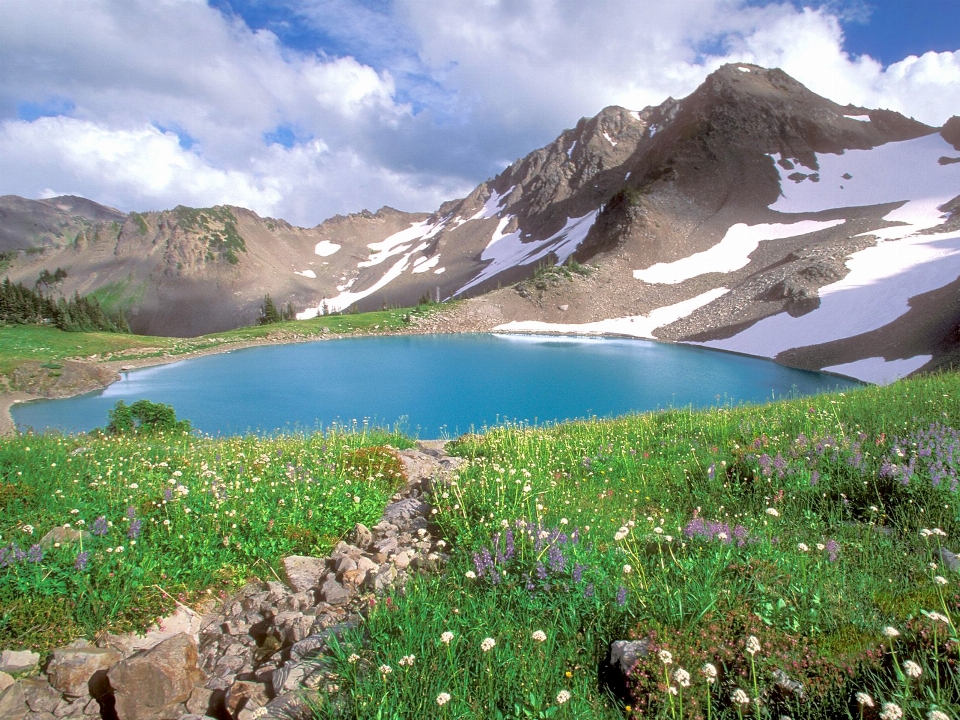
(245, 695)
(302, 573)
(18, 661)
(407, 513)
(5, 681)
(361, 536)
(81, 671)
(62, 536)
(13, 704)
(334, 593)
(40, 697)
(150, 684)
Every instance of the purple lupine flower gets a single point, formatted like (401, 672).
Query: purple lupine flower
(5, 557)
(35, 554)
(832, 548)
(133, 532)
(740, 533)
(578, 573)
(575, 536)
(168, 494)
(80, 563)
(556, 559)
(131, 512)
(100, 527)
(541, 571)
(19, 555)
(712, 471)
(814, 476)
(508, 541)
(588, 591)
(622, 596)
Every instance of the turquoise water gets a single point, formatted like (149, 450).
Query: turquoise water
(434, 385)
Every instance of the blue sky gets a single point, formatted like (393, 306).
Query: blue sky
(302, 109)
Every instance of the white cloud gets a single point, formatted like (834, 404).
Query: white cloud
(170, 102)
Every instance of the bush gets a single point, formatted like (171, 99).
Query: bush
(144, 417)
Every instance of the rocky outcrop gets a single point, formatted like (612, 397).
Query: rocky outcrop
(255, 654)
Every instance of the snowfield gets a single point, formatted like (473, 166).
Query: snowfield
(730, 254)
(908, 264)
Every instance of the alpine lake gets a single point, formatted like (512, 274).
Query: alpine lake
(433, 386)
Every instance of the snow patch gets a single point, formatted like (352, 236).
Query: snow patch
(861, 118)
(572, 147)
(438, 271)
(640, 326)
(627, 177)
(399, 242)
(492, 206)
(635, 114)
(610, 139)
(306, 273)
(879, 371)
(423, 264)
(345, 299)
(507, 250)
(730, 254)
(325, 248)
(743, 69)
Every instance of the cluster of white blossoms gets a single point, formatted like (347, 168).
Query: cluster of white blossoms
(385, 670)
(891, 711)
(772, 512)
(864, 699)
(709, 671)
(927, 532)
(407, 660)
(539, 636)
(753, 645)
(912, 669)
(740, 697)
(890, 632)
(487, 644)
(666, 657)
(443, 698)
(563, 696)
(681, 677)
(446, 637)
(621, 533)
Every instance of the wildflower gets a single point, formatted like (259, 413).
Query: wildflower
(446, 637)
(666, 657)
(443, 698)
(622, 596)
(821, 546)
(133, 532)
(937, 617)
(740, 697)
(940, 580)
(470, 575)
(864, 699)
(890, 632)
(353, 658)
(627, 569)
(753, 645)
(891, 711)
(802, 547)
(539, 636)
(772, 512)
(562, 697)
(80, 563)
(681, 677)
(35, 554)
(28, 529)
(487, 644)
(407, 660)
(912, 669)
(672, 690)
(621, 533)
(385, 670)
(937, 715)
(709, 671)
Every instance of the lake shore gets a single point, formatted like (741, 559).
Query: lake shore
(83, 375)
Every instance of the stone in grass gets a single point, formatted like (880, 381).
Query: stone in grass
(614, 670)
(334, 593)
(81, 671)
(302, 572)
(18, 661)
(151, 683)
(5, 681)
(950, 560)
(62, 536)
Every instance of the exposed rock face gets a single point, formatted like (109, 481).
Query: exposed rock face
(80, 670)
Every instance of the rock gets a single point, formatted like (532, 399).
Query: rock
(18, 661)
(62, 536)
(71, 708)
(950, 560)
(625, 653)
(334, 593)
(382, 580)
(407, 513)
(200, 701)
(361, 536)
(5, 681)
(244, 695)
(289, 706)
(13, 704)
(302, 573)
(787, 684)
(39, 695)
(81, 671)
(563, 308)
(403, 558)
(150, 683)
(433, 448)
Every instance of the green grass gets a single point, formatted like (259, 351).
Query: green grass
(798, 529)
(695, 531)
(22, 343)
(166, 517)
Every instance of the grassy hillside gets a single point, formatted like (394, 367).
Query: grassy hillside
(23, 343)
(752, 547)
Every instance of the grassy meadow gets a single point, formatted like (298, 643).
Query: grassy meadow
(752, 547)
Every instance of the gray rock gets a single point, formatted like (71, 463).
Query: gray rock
(150, 683)
(200, 701)
(18, 661)
(625, 653)
(39, 695)
(787, 684)
(303, 573)
(5, 681)
(62, 536)
(404, 513)
(71, 707)
(244, 695)
(360, 536)
(334, 593)
(81, 671)
(403, 558)
(950, 560)
(288, 706)
(13, 703)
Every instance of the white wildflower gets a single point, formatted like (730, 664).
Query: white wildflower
(937, 715)
(408, 660)
(443, 698)
(891, 711)
(539, 636)
(681, 677)
(470, 575)
(621, 533)
(753, 645)
(709, 671)
(940, 580)
(446, 637)
(912, 669)
(487, 644)
(385, 670)
(772, 512)
(891, 632)
(666, 657)
(740, 697)
(864, 699)
(803, 547)
(353, 659)
(563, 696)
(627, 569)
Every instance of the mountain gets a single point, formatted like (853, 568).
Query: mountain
(753, 216)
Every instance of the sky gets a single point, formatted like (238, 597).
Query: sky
(303, 109)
